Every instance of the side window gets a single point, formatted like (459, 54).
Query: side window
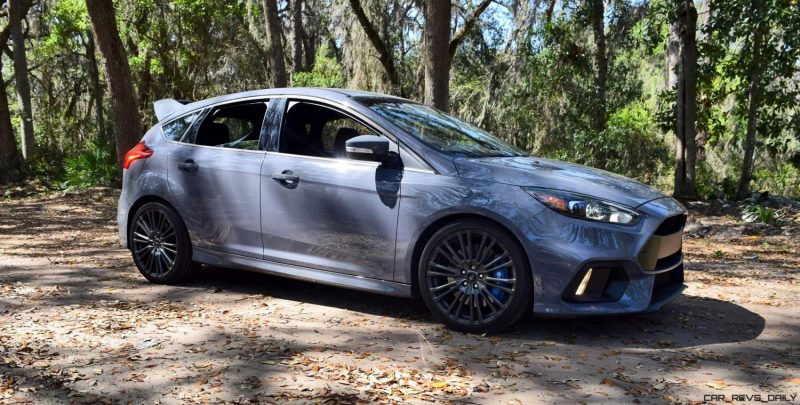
(175, 130)
(312, 129)
(235, 126)
(344, 128)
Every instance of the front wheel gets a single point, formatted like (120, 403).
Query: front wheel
(474, 277)
(160, 244)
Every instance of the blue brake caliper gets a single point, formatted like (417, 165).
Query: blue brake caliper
(497, 292)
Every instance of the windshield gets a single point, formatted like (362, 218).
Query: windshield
(441, 131)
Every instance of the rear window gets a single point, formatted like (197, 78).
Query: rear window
(175, 130)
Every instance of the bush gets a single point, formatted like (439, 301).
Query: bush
(630, 145)
(711, 185)
(326, 72)
(752, 211)
(95, 166)
(783, 180)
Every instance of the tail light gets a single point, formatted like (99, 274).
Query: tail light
(140, 151)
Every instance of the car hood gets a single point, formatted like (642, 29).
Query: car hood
(554, 174)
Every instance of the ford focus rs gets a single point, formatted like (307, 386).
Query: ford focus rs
(379, 193)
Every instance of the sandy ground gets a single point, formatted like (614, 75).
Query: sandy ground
(78, 324)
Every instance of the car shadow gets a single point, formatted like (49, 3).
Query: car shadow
(686, 322)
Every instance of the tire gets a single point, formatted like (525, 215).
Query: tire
(160, 244)
(462, 269)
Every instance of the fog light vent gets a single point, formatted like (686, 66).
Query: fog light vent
(597, 283)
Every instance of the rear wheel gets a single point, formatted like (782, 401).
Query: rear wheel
(160, 244)
(474, 276)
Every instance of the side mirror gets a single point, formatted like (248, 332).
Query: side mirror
(368, 147)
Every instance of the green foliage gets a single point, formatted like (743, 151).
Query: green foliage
(521, 73)
(326, 73)
(67, 21)
(630, 145)
(192, 49)
(728, 64)
(713, 183)
(96, 166)
(784, 179)
(755, 212)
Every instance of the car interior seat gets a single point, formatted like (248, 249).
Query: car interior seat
(295, 138)
(340, 142)
(213, 134)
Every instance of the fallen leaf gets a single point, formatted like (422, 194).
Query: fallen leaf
(717, 384)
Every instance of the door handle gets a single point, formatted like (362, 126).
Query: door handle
(287, 178)
(188, 166)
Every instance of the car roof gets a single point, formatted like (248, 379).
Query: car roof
(168, 108)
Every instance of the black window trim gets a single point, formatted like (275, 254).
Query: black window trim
(365, 123)
(201, 114)
(270, 135)
(419, 164)
(206, 110)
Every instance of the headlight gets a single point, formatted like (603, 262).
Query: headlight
(583, 206)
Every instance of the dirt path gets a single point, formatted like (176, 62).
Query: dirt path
(78, 324)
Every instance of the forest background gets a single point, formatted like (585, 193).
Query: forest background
(698, 98)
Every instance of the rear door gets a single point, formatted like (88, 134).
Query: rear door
(214, 174)
(321, 209)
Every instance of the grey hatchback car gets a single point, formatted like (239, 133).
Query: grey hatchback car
(379, 193)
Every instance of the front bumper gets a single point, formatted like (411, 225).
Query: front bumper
(589, 268)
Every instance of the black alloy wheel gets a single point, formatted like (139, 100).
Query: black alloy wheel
(474, 276)
(160, 244)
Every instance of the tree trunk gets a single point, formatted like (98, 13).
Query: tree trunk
(273, 26)
(127, 123)
(684, 28)
(9, 156)
(753, 99)
(599, 116)
(551, 5)
(297, 36)
(309, 50)
(16, 12)
(97, 88)
(436, 53)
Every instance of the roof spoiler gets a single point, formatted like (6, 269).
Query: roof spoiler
(166, 107)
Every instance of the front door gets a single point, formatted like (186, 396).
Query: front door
(322, 210)
(214, 177)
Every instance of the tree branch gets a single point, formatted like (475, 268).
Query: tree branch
(468, 24)
(385, 56)
(369, 29)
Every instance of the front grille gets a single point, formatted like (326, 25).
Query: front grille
(662, 252)
(667, 283)
(669, 262)
(671, 225)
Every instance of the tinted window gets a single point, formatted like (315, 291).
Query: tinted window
(241, 132)
(334, 127)
(174, 130)
(441, 131)
(233, 126)
(315, 130)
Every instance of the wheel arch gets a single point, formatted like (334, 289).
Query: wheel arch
(438, 223)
